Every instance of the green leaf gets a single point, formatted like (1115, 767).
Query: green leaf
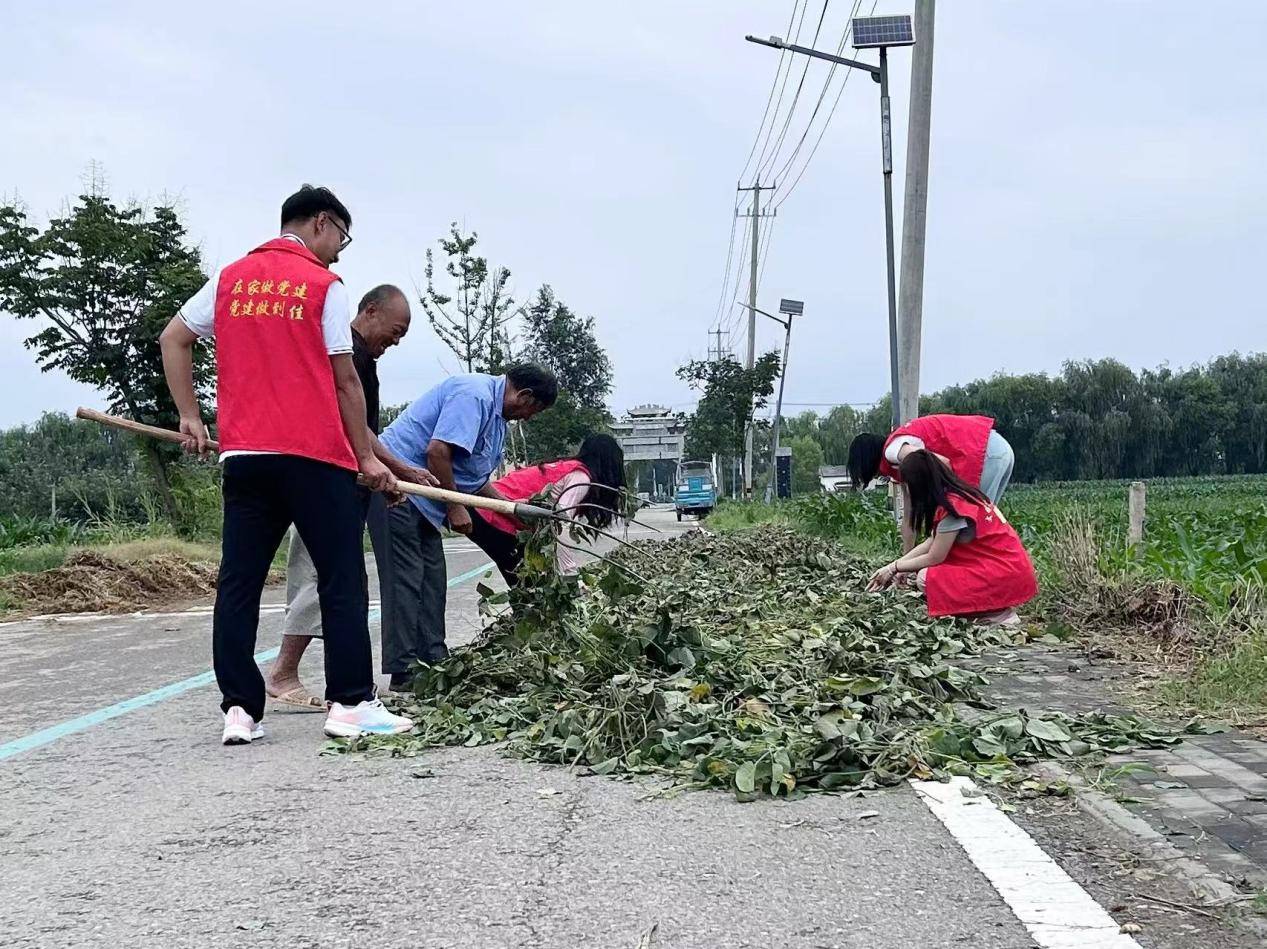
(866, 685)
(746, 777)
(1046, 730)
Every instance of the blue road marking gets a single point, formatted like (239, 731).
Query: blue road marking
(47, 735)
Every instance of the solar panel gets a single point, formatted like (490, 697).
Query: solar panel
(791, 307)
(870, 32)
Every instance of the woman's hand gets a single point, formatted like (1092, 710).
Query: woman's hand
(883, 578)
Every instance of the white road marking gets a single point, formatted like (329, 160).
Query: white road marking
(1058, 913)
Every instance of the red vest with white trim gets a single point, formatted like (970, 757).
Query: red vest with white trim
(274, 383)
(524, 483)
(991, 572)
(960, 439)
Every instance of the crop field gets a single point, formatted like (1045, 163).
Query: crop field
(1193, 595)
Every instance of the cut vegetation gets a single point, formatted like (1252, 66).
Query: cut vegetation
(751, 661)
(131, 577)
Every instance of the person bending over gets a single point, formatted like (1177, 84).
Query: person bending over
(587, 487)
(975, 452)
(971, 563)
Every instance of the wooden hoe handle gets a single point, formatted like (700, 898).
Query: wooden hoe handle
(511, 508)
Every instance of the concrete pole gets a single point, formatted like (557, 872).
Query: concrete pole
(915, 211)
(1135, 511)
(751, 359)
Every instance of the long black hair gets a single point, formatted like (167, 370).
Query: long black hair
(865, 452)
(929, 481)
(604, 459)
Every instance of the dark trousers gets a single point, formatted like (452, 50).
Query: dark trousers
(263, 496)
(413, 587)
(502, 548)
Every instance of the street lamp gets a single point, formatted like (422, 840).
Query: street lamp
(790, 308)
(874, 32)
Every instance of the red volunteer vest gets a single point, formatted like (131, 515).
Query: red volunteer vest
(524, 483)
(961, 439)
(988, 573)
(274, 383)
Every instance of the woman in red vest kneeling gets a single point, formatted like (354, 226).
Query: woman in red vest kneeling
(971, 563)
(975, 452)
(587, 487)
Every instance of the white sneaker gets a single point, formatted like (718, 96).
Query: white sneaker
(368, 718)
(240, 728)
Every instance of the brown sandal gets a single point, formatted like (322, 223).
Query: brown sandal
(299, 699)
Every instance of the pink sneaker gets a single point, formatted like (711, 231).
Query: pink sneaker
(368, 718)
(240, 728)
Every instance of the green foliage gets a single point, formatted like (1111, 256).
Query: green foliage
(1099, 419)
(730, 395)
(71, 469)
(807, 456)
(747, 661)
(102, 281)
(566, 344)
(470, 318)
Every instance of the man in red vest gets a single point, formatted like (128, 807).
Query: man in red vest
(293, 437)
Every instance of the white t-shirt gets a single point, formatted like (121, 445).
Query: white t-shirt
(891, 453)
(199, 314)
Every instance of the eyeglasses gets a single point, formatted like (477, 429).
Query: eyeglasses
(347, 238)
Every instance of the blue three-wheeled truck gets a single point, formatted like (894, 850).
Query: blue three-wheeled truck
(695, 491)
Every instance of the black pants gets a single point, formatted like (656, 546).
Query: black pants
(263, 496)
(502, 548)
(413, 586)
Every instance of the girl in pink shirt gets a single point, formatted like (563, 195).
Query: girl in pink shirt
(586, 487)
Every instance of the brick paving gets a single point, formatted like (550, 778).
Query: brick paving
(1207, 796)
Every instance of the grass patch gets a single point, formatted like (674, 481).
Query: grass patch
(132, 551)
(1231, 684)
(730, 516)
(32, 559)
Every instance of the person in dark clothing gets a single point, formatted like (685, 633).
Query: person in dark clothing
(382, 320)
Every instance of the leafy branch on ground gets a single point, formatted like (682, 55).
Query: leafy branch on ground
(751, 661)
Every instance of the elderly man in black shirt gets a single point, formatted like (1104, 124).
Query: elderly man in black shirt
(381, 321)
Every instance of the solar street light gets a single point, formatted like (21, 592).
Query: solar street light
(874, 32)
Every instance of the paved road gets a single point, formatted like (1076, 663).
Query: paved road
(143, 831)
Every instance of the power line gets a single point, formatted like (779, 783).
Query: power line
(769, 236)
(821, 132)
(773, 85)
(831, 72)
(725, 280)
(763, 169)
(783, 88)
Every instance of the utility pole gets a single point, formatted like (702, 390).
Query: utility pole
(715, 349)
(915, 211)
(756, 214)
(886, 147)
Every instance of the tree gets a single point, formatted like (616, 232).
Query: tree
(730, 395)
(472, 319)
(104, 280)
(807, 456)
(566, 344)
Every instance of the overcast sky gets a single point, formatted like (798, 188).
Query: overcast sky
(1094, 189)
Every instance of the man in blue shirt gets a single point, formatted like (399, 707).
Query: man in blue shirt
(457, 431)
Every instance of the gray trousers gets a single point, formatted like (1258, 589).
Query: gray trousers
(303, 607)
(413, 587)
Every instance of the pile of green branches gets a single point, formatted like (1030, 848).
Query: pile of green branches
(751, 661)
